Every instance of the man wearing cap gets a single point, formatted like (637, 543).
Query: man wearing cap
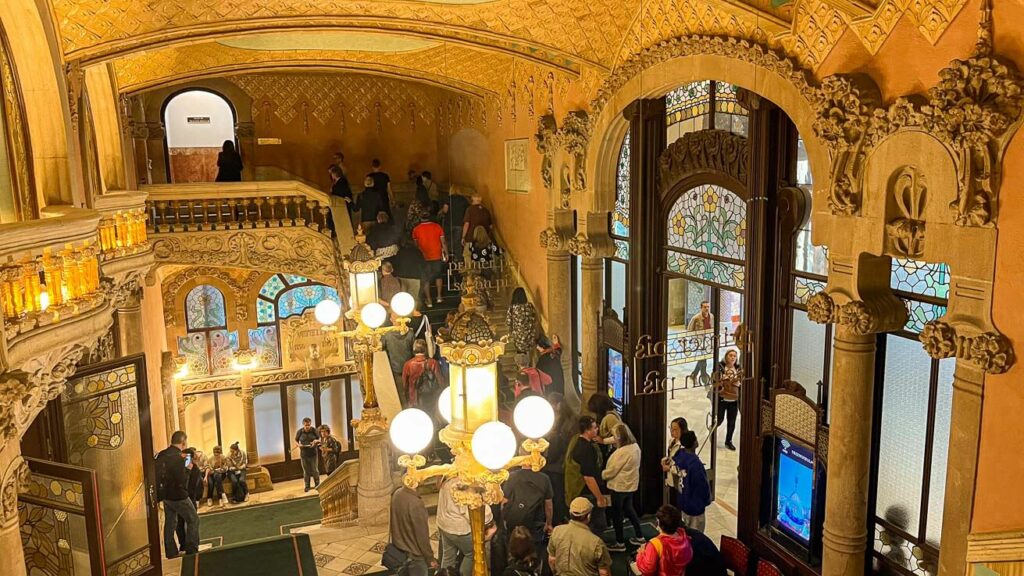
(576, 551)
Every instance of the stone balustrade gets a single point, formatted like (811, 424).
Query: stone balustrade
(198, 207)
(49, 269)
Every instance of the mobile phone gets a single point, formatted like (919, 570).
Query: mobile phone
(188, 460)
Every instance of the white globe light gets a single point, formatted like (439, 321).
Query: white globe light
(494, 444)
(444, 404)
(533, 416)
(403, 303)
(373, 315)
(327, 312)
(411, 430)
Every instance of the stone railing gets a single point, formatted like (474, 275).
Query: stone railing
(49, 269)
(122, 227)
(237, 205)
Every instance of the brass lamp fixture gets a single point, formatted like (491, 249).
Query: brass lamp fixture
(484, 448)
(369, 316)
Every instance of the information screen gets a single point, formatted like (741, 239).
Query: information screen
(794, 489)
(616, 375)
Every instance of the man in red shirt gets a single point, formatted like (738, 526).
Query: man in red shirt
(416, 385)
(429, 238)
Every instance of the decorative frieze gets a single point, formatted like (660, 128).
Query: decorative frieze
(711, 150)
(990, 351)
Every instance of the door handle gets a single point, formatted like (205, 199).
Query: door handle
(151, 496)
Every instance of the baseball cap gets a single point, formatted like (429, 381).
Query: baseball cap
(580, 506)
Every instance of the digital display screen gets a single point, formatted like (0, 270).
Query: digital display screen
(794, 489)
(616, 375)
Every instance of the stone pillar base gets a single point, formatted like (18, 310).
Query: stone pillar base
(374, 484)
(258, 479)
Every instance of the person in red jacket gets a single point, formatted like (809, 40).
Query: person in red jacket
(668, 553)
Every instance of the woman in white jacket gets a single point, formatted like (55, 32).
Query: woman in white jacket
(622, 472)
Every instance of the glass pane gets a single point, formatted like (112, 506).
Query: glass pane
(204, 308)
(620, 219)
(334, 409)
(920, 278)
(807, 352)
(687, 101)
(201, 421)
(904, 426)
(621, 249)
(232, 423)
(269, 431)
(920, 313)
(730, 316)
(264, 342)
(804, 288)
(808, 257)
(193, 348)
(706, 269)
(297, 300)
(54, 541)
(578, 312)
(300, 405)
(686, 346)
(295, 279)
(264, 311)
(803, 164)
(940, 448)
(272, 287)
(709, 219)
(223, 345)
(103, 434)
(618, 288)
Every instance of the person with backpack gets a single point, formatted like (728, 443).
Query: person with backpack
(529, 503)
(172, 474)
(668, 553)
(421, 377)
(694, 489)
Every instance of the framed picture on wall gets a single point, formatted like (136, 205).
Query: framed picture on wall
(517, 177)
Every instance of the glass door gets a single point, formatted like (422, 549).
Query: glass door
(107, 429)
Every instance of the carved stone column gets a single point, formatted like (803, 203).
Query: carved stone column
(13, 472)
(559, 302)
(257, 477)
(374, 488)
(592, 248)
(128, 318)
(853, 375)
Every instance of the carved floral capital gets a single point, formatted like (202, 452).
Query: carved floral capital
(551, 240)
(989, 351)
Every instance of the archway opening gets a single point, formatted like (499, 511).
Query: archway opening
(197, 125)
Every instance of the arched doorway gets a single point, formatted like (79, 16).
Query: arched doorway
(197, 123)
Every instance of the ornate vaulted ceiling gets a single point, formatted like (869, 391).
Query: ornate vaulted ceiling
(472, 46)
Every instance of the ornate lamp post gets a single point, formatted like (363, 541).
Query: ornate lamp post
(369, 316)
(484, 448)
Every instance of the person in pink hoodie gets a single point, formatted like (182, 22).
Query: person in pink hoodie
(668, 553)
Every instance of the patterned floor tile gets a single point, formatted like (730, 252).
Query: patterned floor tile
(356, 568)
(322, 559)
(379, 547)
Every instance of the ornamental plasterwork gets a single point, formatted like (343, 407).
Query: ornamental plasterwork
(13, 479)
(714, 150)
(240, 287)
(299, 251)
(989, 351)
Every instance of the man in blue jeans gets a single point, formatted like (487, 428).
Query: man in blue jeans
(172, 489)
(307, 439)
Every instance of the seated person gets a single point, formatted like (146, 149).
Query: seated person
(217, 469)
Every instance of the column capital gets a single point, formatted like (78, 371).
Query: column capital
(858, 316)
(858, 296)
(13, 480)
(991, 352)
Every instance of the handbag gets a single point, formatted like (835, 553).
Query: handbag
(394, 559)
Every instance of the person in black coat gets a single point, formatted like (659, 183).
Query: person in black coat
(340, 186)
(229, 164)
(549, 361)
(707, 559)
(172, 489)
(194, 488)
(369, 205)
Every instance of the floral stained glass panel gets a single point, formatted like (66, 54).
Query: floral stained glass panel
(709, 219)
(620, 220)
(295, 279)
(263, 341)
(204, 308)
(622, 249)
(222, 351)
(297, 300)
(920, 313)
(698, 268)
(688, 101)
(265, 311)
(193, 348)
(272, 287)
(804, 288)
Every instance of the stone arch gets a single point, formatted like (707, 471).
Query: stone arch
(689, 59)
(36, 58)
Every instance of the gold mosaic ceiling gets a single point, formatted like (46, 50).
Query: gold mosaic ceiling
(468, 45)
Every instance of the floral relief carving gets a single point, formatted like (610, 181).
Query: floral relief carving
(547, 142)
(581, 246)
(909, 194)
(821, 308)
(575, 138)
(551, 240)
(295, 250)
(15, 478)
(716, 150)
(990, 351)
(856, 315)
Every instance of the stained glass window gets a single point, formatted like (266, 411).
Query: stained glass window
(204, 308)
(620, 219)
(263, 341)
(622, 249)
(709, 219)
(265, 312)
(272, 287)
(920, 278)
(295, 279)
(301, 298)
(804, 288)
(702, 105)
(724, 273)
(222, 351)
(688, 101)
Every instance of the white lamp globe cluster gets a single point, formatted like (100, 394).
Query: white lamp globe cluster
(411, 430)
(494, 444)
(533, 416)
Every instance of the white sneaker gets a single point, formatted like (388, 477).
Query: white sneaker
(209, 501)
(224, 499)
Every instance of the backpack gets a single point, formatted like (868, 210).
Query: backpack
(161, 478)
(523, 507)
(426, 384)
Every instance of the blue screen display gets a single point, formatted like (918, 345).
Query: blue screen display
(794, 490)
(616, 375)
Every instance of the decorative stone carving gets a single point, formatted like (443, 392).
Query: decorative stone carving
(551, 240)
(909, 194)
(990, 351)
(547, 143)
(296, 250)
(75, 81)
(716, 150)
(581, 246)
(13, 481)
(575, 137)
(855, 315)
(125, 292)
(240, 288)
(12, 390)
(25, 392)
